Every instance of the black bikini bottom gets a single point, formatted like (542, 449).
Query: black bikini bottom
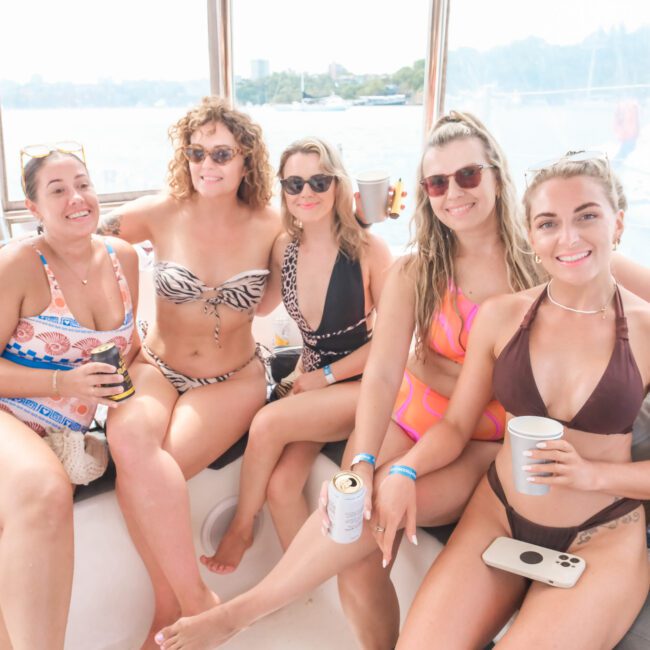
(553, 537)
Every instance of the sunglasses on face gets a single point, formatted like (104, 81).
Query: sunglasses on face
(466, 178)
(44, 150)
(221, 154)
(318, 182)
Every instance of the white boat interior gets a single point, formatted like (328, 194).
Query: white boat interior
(111, 588)
(382, 125)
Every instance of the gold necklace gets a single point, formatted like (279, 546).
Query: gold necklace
(84, 281)
(579, 311)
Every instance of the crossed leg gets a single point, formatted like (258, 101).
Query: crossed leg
(310, 560)
(320, 415)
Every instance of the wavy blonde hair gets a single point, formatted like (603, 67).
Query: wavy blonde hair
(349, 235)
(596, 168)
(256, 187)
(435, 245)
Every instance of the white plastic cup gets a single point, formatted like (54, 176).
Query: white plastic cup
(373, 188)
(525, 432)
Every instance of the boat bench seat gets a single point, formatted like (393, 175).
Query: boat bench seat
(637, 638)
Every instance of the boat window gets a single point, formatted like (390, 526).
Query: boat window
(112, 76)
(556, 76)
(351, 73)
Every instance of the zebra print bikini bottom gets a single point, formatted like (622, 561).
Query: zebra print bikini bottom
(182, 383)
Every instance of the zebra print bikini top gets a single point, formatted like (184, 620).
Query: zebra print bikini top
(179, 285)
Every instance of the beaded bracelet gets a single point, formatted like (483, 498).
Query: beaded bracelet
(404, 470)
(363, 458)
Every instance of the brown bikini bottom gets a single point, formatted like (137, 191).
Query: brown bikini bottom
(553, 537)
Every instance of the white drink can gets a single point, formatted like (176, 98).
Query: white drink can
(345, 498)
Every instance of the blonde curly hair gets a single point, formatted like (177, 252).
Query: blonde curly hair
(256, 187)
(349, 235)
(435, 245)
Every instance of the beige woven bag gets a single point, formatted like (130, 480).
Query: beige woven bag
(83, 456)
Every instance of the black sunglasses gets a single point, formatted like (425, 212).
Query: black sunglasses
(318, 182)
(466, 178)
(221, 154)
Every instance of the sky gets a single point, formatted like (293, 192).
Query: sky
(87, 40)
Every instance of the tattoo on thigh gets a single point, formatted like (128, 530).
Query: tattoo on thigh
(585, 535)
(110, 225)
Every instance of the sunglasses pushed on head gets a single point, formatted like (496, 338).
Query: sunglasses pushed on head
(44, 150)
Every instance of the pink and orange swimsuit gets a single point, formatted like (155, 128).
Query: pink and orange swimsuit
(418, 407)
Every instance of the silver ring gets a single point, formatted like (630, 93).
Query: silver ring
(379, 529)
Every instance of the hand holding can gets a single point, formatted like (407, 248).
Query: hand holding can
(346, 495)
(109, 353)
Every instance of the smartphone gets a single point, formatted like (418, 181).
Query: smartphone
(555, 568)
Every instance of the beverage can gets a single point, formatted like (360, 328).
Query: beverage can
(345, 499)
(109, 353)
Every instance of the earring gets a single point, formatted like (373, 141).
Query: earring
(538, 259)
(615, 244)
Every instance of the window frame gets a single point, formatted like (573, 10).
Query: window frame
(219, 14)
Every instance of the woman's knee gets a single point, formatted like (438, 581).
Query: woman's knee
(264, 430)
(43, 496)
(131, 439)
(285, 486)
(358, 581)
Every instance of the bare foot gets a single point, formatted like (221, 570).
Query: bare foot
(201, 632)
(233, 545)
(161, 618)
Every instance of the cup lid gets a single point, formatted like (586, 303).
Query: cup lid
(534, 426)
(372, 177)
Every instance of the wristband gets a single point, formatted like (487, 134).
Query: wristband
(363, 458)
(404, 470)
(55, 388)
(329, 375)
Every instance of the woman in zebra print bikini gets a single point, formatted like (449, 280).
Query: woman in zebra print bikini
(199, 377)
(332, 273)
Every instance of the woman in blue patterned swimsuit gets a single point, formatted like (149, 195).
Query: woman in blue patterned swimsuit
(65, 292)
(332, 273)
(199, 378)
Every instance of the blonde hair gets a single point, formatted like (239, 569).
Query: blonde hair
(596, 168)
(256, 187)
(435, 245)
(349, 235)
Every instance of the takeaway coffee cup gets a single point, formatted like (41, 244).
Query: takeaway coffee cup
(373, 188)
(525, 432)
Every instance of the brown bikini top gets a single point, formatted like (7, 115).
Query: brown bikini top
(612, 406)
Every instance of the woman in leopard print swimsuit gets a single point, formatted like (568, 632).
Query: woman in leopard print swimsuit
(332, 272)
